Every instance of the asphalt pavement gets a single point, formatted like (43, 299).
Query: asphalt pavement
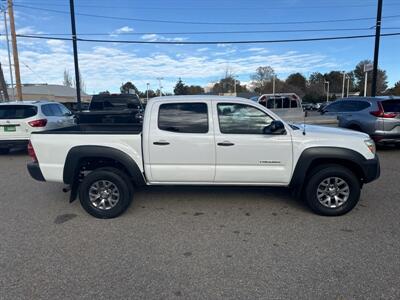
(197, 243)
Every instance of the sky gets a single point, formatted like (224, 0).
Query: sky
(105, 66)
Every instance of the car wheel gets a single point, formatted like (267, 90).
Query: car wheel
(105, 194)
(355, 128)
(332, 190)
(4, 150)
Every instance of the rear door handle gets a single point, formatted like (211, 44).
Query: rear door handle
(161, 143)
(225, 144)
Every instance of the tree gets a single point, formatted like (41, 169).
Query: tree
(128, 87)
(381, 83)
(227, 85)
(104, 93)
(395, 90)
(335, 79)
(297, 80)
(180, 88)
(67, 78)
(262, 79)
(315, 88)
(195, 90)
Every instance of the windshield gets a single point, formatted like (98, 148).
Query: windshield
(17, 111)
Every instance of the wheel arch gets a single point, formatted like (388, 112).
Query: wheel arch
(93, 157)
(316, 156)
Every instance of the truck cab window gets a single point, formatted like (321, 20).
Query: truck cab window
(241, 119)
(183, 117)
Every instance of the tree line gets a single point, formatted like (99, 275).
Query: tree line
(311, 89)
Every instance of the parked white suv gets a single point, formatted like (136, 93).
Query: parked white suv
(19, 119)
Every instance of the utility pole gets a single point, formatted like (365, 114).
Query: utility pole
(75, 46)
(9, 55)
(3, 85)
(365, 83)
(344, 79)
(376, 51)
(15, 50)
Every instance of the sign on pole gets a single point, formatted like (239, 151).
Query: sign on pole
(368, 67)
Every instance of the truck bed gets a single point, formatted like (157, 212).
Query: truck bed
(97, 129)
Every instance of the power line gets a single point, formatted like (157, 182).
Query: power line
(208, 8)
(204, 23)
(209, 42)
(214, 32)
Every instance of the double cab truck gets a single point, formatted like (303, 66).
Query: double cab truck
(205, 140)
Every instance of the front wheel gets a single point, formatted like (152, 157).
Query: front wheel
(332, 190)
(105, 194)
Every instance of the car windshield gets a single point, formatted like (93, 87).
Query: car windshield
(17, 111)
(391, 105)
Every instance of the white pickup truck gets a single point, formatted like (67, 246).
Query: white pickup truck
(205, 140)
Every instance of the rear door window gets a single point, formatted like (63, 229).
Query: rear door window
(17, 111)
(391, 105)
(183, 117)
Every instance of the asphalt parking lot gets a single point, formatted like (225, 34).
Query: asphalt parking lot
(197, 243)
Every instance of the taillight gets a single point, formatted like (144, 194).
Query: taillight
(31, 151)
(38, 123)
(381, 113)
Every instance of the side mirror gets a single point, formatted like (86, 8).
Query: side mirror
(276, 127)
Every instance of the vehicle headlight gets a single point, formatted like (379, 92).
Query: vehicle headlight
(371, 145)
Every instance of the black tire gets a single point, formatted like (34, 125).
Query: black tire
(121, 184)
(321, 173)
(4, 151)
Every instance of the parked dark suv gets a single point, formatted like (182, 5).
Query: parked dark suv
(377, 116)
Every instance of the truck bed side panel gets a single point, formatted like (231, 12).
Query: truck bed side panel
(52, 149)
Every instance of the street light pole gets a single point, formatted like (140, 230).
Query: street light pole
(159, 83)
(376, 51)
(273, 85)
(348, 85)
(327, 91)
(365, 83)
(344, 79)
(147, 92)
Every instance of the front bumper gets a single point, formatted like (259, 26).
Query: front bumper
(13, 143)
(34, 171)
(371, 169)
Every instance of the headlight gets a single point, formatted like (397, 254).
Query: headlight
(371, 145)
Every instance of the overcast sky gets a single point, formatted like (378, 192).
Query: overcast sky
(105, 66)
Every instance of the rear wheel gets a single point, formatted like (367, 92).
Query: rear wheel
(105, 194)
(4, 150)
(332, 190)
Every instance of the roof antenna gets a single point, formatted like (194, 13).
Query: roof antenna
(304, 122)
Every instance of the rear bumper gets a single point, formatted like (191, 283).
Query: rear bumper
(371, 169)
(13, 143)
(386, 138)
(34, 171)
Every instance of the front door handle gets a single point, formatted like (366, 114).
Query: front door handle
(226, 143)
(161, 143)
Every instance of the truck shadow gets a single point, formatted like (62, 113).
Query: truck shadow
(218, 197)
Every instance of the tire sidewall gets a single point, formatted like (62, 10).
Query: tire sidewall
(120, 183)
(332, 171)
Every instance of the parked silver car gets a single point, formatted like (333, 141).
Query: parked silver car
(377, 116)
(19, 119)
